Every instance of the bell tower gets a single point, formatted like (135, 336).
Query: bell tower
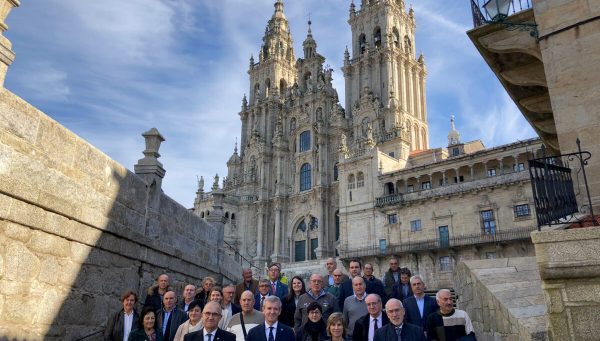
(385, 80)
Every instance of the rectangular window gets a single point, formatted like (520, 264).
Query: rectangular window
(391, 154)
(522, 210)
(300, 251)
(492, 172)
(488, 223)
(314, 243)
(382, 245)
(415, 225)
(519, 167)
(426, 185)
(410, 189)
(304, 141)
(392, 218)
(459, 179)
(444, 236)
(455, 151)
(445, 264)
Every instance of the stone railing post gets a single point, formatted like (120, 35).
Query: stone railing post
(217, 219)
(152, 171)
(7, 56)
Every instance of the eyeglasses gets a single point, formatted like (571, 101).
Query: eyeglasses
(209, 314)
(314, 312)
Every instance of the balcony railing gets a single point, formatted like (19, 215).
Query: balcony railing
(481, 17)
(437, 243)
(453, 189)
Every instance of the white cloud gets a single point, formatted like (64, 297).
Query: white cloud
(111, 70)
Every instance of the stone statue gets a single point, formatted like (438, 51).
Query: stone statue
(216, 183)
(201, 184)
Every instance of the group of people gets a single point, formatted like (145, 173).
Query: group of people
(335, 306)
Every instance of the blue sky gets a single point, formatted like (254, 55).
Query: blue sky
(110, 70)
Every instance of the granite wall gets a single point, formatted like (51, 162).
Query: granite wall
(77, 229)
(503, 298)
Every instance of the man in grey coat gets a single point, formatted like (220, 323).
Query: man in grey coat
(316, 293)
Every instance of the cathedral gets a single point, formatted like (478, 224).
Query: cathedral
(313, 179)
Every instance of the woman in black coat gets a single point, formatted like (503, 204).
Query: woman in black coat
(146, 329)
(314, 329)
(288, 306)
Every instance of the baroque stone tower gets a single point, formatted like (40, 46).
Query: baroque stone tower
(282, 195)
(385, 82)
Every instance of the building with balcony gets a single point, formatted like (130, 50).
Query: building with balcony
(313, 179)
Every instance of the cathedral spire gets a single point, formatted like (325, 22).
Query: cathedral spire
(453, 135)
(310, 45)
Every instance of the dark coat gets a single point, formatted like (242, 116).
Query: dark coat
(413, 316)
(154, 298)
(362, 325)
(346, 290)
(399, 293)
(140, 335)
(241, 287)
(389, 281)
(281, 290)
(288, 309)
(257, 297)
(219, 335)
(115, 325)
(375, 286)
(304, 335)
(202, 297)
(284, 333)
(177, 318)
(235, 309)
(409, 332)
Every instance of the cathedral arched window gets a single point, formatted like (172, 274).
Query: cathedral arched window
(377, 37)
(282, 86)
(388, 188)
(335, 172)
(232, 216)
(360, 180)
(202, 215)
(351, 181)
(300, 236)
(267, 87)
(305, 177)
(362, 43)
(396, 35)
(337, 225)
(292, 124)
(304, 141)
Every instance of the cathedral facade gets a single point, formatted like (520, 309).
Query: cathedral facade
(314, 179)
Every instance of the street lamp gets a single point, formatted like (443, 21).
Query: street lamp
(497, 11)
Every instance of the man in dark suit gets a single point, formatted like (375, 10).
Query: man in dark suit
(277, 288)
(397, 329)
(210, 318)
(402, 289)
(366, 326)
(248, 283)
(271, 330)
(418, 306)
(169, 318)
(263, 292)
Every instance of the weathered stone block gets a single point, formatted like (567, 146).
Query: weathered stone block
(16, 231)
(50, 271)
(22, 265)
(49, 244)
(79, 252)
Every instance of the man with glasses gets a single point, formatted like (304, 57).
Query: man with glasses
(374, 284)
(264, 291)
(316, 294)
(329, 278)
(211, 315)
(366, 326)
(338, 278)
(277, 288)
(397, 330)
